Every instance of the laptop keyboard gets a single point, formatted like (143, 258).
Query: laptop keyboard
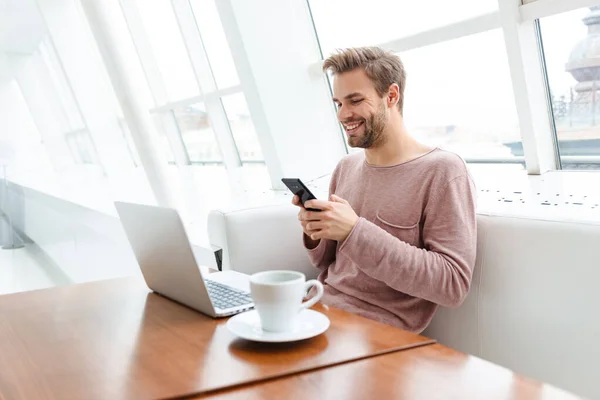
(224, 296)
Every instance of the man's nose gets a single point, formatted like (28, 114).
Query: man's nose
(344, 114)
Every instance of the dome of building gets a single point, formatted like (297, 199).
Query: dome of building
(584, 60)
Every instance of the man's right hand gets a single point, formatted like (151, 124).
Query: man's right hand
(304, 217)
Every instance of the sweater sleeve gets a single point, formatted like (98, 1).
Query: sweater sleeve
(324, 254)
(440, 272)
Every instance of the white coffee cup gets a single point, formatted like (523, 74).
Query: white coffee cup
(278, 295)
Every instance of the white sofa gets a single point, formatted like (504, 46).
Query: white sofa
(534, 303)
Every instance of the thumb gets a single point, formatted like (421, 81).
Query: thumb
(338, 199)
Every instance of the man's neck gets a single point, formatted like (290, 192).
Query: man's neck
(399, 147)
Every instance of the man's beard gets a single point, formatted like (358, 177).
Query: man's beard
(373, 135)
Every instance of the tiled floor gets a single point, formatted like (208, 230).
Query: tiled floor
(23, 270)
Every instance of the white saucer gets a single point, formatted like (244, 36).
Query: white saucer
(247, 326)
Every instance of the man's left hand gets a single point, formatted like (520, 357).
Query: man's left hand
(335, 221)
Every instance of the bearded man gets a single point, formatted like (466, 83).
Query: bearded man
(397, 236)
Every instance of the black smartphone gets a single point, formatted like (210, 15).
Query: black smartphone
(299, 189)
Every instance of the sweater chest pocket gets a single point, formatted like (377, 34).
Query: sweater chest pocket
(408, 232)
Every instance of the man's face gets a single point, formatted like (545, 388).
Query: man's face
(361, 111)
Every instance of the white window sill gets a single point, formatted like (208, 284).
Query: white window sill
(569, 196)
(573, 196)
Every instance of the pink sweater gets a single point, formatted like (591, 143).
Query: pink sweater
(413, 247)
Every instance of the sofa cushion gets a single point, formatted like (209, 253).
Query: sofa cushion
(258, 239)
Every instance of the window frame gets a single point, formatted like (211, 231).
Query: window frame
(209, 94)
(519, 21)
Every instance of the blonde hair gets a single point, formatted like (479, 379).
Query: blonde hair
(382, 67)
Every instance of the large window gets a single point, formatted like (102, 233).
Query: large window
(21, 145)
(81, 147)
(215, 43)
(169, 50)
(464, 59)
(459, 97)
(68, 116)
(62, 91)
(350, 23)
(129, 141)
(165, 136)
(197, 133)
(571, 52)
(198, 74)
(242, 128)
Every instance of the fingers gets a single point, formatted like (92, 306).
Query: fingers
(305, 215)
(311, 226)
(315, 224)
(296, 201)
(311, 234)
(308, 232)
(318, 204)
(321, 234)
(337, 199)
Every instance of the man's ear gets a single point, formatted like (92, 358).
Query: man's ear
(393, 96)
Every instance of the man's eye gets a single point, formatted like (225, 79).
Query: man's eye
(355, 102)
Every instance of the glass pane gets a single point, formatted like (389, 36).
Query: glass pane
(215, 42)
(24, 153)
(255, 178)
(131, 149)
(163, 140)
(197, 134)
(81, 147)
(349, 23)
(61, 85)
(169, 49)
(571, 50)
(242, 127)
(459, 96)
(129, 59)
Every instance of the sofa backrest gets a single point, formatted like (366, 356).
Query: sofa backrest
(258, 239)
(533, 305)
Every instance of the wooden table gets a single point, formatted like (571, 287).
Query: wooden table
(430, 372)
(115, 340)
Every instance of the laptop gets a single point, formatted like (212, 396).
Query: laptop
(166, 259)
